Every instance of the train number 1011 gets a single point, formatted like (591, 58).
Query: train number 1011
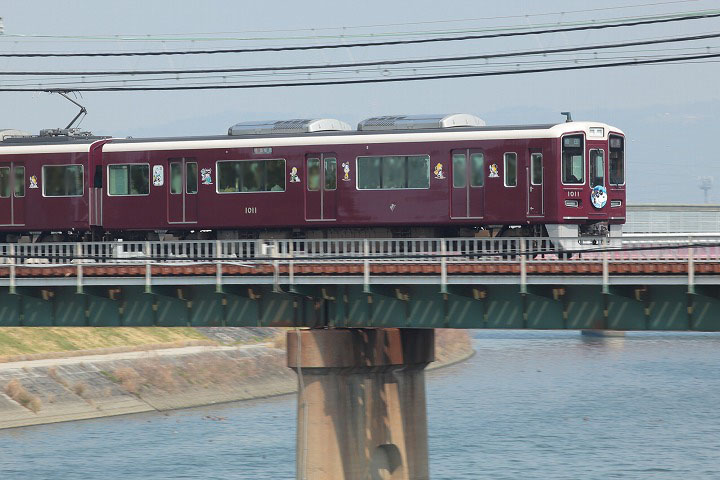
(250, 210)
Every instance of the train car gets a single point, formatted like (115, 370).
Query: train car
(45, 185)
(417, 176)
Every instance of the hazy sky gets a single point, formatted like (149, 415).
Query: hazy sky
(669, 112)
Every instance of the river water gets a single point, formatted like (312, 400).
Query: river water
(529, 405)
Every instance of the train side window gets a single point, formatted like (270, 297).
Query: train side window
(248, 176)
(510, 163)
(191, 177)
(368, 173)
(393, 172)
(19, 181)
(459, 170)
(617, 160)
(477, 170)
(330, 174)
(129, 179)
(62, 180)
(274, 175)
(536, 168)
(573, 160)
(252, 176)
(313, 175)
(176, 178)
(418, 171)
(597, 168)
(4, 182)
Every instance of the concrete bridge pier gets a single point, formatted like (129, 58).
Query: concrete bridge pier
(361, 402)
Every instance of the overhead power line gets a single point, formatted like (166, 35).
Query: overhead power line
(343, 28)
(345, 35)
(602, 26)
(603, 46)
(369, 80)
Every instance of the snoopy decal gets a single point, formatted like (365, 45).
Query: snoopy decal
(438, 172)
(598, 196)
(206, 176)
(346, 171)
(494, 171)
(294, 178)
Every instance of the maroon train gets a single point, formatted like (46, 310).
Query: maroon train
(416, 176)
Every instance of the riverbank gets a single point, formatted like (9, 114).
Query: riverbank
(50, 390)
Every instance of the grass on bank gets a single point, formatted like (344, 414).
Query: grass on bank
(16, 341)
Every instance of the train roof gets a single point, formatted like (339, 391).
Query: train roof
(45, 144)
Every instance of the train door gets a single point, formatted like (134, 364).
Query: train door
(467, 196)
(12, 193)
(535, 176)
(182, 190)
(321, 187)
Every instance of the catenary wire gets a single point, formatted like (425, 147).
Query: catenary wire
(336, 74)
(364, 81)
(522, 53)
(430, 22)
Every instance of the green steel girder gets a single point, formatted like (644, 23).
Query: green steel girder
(572, 306)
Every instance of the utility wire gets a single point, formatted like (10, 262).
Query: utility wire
(316, 36)
(168, 36)
(603, 46)
(361, 81)
(337, 74)
(712, 14)
(259, 78)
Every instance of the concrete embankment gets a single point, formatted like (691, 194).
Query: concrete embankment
(91, 386)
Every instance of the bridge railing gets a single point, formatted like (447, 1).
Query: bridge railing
(662, 248)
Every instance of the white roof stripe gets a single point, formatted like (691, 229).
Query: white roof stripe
(51, 148)
(319, 139)
(440, 136)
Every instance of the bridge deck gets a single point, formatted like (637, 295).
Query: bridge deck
(643, 283)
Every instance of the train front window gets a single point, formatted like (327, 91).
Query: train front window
(617, 160)
(597, 168)
(62, 180)
(573, 160)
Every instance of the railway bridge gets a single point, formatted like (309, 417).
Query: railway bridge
(370, 307)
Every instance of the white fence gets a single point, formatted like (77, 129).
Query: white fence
(665, 248)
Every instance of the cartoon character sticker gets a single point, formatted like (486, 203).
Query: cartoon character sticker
(158, 176)
(206, 176)
(598, 196)
(294, 178)
(33, 182)
(346, 171)
(439, 172)
(494, 171)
